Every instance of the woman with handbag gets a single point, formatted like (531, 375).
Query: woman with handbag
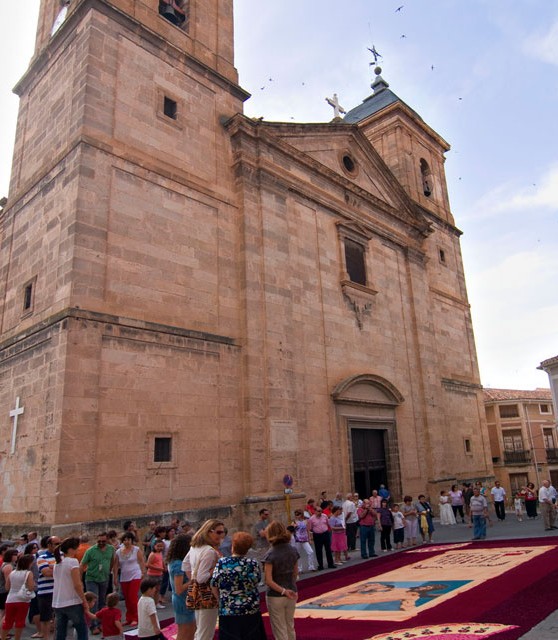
(20, 585)
(198, 566)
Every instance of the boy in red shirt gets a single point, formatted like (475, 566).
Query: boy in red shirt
(110, 617)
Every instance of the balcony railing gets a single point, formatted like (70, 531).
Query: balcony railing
(517, 457)
(552, 455)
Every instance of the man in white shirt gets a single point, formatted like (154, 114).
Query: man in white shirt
(547, 507)
(499, 496)
(351, 521)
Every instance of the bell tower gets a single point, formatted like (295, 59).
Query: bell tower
(145, 82)
(120, 222)
(412, 149)
(208, 25)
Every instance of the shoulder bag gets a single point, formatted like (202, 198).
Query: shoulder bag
(24, 592)
(199, 594)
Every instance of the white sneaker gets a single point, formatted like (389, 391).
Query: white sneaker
(160, 606)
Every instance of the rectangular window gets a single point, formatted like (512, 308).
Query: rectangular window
(517, 482)
(28, 297)
(548, 438)
(354, 261)
(509, 411)
(545, 408)
(513, 441)
(162, 449)
(170, 108)
(467, 445)
(28, 301)
(514, 451)
(442, 256)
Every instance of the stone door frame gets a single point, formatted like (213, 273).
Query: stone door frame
(368, 401)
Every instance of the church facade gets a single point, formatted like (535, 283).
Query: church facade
(196, 303)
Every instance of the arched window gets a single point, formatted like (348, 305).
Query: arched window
(426, 177)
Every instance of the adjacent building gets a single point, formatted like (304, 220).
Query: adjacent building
(551, 367)
(523, 438)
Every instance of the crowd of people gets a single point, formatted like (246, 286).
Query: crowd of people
(527, 501)
(213, 577)
(53, 582)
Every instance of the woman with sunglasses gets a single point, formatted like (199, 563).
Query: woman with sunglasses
(198, 565)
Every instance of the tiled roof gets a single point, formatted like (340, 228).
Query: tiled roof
(497, 395)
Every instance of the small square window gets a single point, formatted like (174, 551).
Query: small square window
(170, 108)
(162, 449)
(545, 408)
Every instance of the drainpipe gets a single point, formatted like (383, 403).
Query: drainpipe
(525, 408)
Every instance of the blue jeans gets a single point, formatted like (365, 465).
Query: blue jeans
(367, 540)
(76, 616)
(100, 590)
(479, 527)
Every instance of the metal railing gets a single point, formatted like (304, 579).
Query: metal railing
(517, 457)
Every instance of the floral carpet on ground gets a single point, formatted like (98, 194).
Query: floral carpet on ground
(498, 589)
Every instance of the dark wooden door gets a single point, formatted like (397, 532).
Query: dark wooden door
(369, 460)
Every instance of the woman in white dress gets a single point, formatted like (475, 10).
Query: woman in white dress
(446, 511)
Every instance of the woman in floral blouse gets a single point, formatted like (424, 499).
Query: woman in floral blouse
(235, 581)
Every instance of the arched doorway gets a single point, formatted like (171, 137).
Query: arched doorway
(366, 414)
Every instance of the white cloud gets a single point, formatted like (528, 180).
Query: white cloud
(543, 46)
(511, 197)
(514, 310)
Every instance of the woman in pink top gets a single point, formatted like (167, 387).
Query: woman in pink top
(318, 527)
(338, 535)
(156, 568)
(457, 502)
(375, 500)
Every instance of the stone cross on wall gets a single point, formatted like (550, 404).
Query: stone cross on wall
(337, 108)
(15, 413)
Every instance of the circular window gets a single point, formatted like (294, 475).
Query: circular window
(349, 163)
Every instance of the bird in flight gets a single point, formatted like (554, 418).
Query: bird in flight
(399, 8)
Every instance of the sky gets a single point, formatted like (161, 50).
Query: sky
(482, 73)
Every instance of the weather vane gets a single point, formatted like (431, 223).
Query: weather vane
(375, 54)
